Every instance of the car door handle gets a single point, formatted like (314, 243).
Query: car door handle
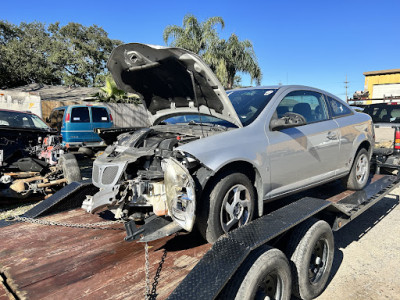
(332, 135)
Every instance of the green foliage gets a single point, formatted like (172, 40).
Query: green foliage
(225, 57)
(111, 93)
(73, 54)
(193, 36)
(232, 56)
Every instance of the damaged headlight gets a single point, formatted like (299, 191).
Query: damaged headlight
(180, 192)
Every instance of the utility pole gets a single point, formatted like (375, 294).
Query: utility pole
(346, 85)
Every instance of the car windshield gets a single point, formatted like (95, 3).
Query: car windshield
(384, 113)
(198, 119)
(21, 120)
(249, 103)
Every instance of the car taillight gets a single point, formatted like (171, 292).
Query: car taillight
(397, 139)
(67, 117)
(111, 119)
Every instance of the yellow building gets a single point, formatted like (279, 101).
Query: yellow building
(383, 84)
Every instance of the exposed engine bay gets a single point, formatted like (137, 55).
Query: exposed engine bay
(143, 173)
(29, 162)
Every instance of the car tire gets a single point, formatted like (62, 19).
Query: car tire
(358, 177)
(265, 274)
(310, 251)
(70, 168)
(86, 151)
(228, 203)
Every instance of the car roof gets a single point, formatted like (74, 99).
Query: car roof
(78, 105)
(17, 111)
(289, 86)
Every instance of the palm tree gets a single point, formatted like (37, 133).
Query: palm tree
(232, 56)
(225, 58)
(193, 36)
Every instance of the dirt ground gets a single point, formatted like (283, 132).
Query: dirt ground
(367, 258)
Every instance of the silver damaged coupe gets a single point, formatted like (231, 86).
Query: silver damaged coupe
(212, 158)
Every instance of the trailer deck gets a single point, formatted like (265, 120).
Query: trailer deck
(56, 262)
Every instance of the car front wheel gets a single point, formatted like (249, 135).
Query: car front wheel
(228, 204)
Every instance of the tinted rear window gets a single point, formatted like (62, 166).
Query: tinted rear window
(100, 114)
(80, 115)
(384, 113)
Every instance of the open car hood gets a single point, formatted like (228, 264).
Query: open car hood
(165, 78)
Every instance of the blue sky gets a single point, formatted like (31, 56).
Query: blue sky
(314, 43)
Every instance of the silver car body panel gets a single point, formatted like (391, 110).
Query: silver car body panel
(165, 78)
(292, 159)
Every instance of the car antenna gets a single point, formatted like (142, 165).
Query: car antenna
(196, 100)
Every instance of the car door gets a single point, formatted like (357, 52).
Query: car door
(79, 128)
(100, 119)
(342, 115)
(303, 155)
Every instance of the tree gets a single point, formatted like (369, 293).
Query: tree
(193, 36)
(231, 56)
(72, 55)
(225, 57)
(80, 53)
(24, 53)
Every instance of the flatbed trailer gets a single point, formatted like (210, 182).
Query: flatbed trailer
(59, 262)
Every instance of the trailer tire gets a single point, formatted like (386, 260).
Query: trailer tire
(229, 190)
(265, 272)
(359, 173)
(70, 168)
(310, 251)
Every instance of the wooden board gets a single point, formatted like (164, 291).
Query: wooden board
(53, 262)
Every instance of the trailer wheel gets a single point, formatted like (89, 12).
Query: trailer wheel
(70, 168)
(265, 274)
(310, 251)
(228, 204)
(359, 173)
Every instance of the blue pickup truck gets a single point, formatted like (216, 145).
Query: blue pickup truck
(77, 122)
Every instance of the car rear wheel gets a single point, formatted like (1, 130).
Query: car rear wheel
(359, 173)
(229, 204)
(70, 167)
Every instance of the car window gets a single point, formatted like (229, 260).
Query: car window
(100, 114)
(249, 103)
(384, 113)
(21, 120)
(338, 109)
(310, 105)
(80, 115)
(185, 119)
(53, 119)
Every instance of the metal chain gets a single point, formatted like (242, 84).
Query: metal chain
(147, 271)
(152, 295)
(157, 276)
(97, 225)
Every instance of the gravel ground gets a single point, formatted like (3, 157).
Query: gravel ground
(367, 257)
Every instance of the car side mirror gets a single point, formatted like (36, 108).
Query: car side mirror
(47, 120)
(288, 120)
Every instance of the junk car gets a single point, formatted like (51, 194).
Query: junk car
(212, 158)
(32, 159)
